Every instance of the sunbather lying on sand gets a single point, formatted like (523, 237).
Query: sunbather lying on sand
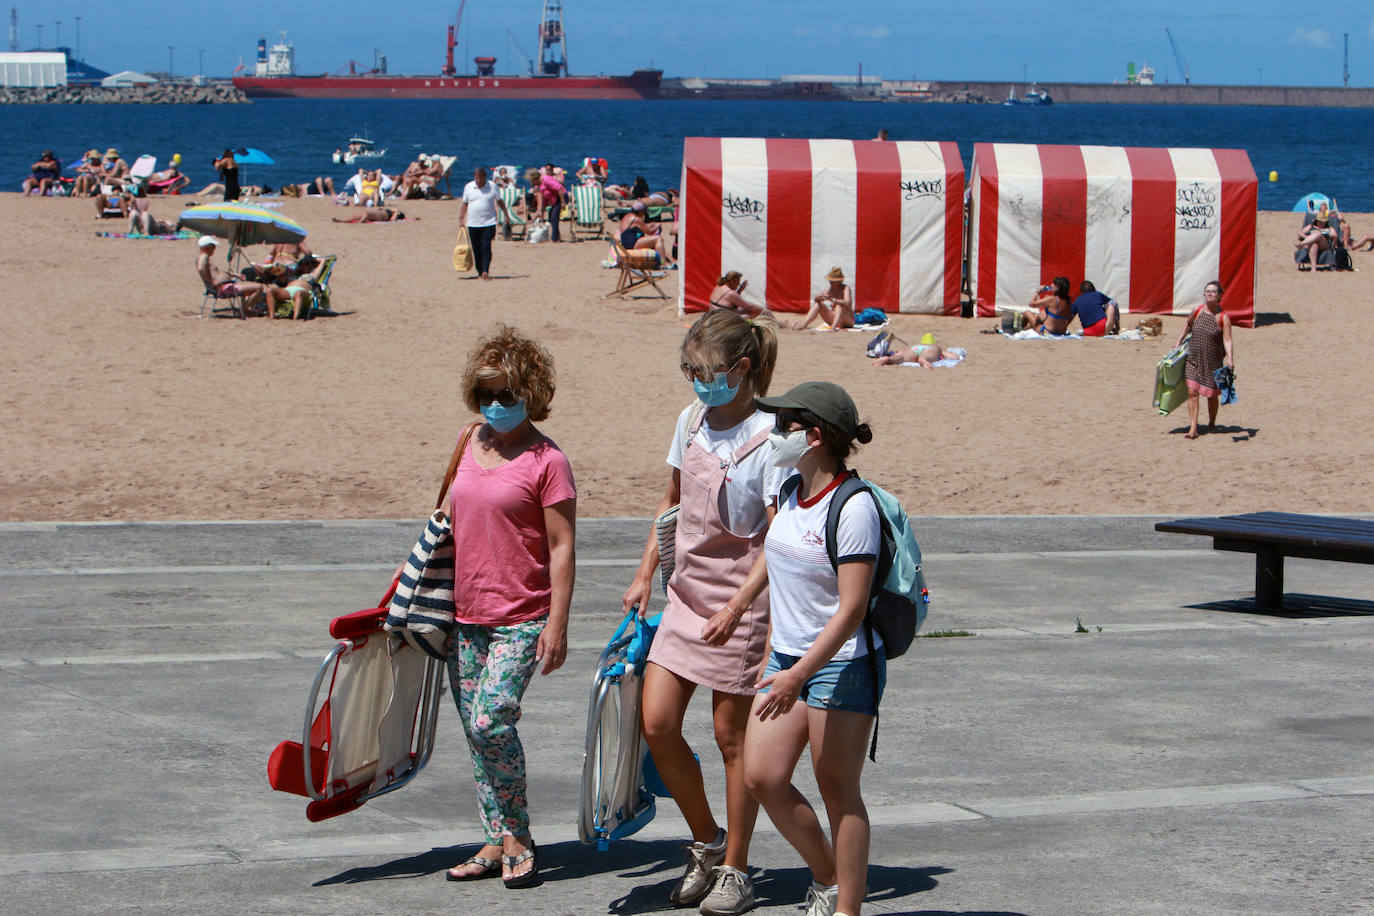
(142, 220)
(377, 215)
(926, 354)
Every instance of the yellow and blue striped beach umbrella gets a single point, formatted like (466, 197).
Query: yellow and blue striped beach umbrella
(242, 224)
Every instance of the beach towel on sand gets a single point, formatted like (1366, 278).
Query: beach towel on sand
(183, 234)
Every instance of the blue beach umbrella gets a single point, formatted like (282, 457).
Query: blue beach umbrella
(1311, 201)
(242, 224)
(249, 156)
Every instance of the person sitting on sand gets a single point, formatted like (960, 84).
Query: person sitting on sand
(88, 175)
(1097, 313)
(593, 171)
(44, 175)
(225, 285)
(112, 202)
(112, 167)
(835, 306)
(635, 233)
(301, 288)
(1358, 244)
(1317, 237)
(1051, 309)
(925, 354)
(377, 215)
(729, 295)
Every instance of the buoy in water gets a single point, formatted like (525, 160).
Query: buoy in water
(1273, 176)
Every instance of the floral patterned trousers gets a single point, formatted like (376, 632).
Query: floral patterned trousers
(488, 670)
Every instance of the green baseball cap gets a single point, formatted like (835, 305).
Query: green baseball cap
(825, 400)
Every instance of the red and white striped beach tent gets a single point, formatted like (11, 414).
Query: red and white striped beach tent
(784, 212)
(1149, 227)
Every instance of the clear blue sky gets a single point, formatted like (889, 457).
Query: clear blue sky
(1223, 41)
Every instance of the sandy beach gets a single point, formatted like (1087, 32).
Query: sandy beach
(119, 403)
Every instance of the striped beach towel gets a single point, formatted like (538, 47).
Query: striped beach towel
(423, 602)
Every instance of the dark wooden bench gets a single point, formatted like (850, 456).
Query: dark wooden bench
(1271, 536)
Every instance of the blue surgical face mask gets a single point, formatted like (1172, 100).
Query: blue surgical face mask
(718, 391)
(504, 419)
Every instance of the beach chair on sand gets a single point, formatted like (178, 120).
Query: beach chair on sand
(515, 226)
(639, 267)
(139, 173)
(588, 216)
(231, 303)
(374, 731)
(319, 294)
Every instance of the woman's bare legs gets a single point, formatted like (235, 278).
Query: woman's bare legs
(730, 716)
(1213, 403)
(839, 740)
(666, 696)
(1192, 414)
(818, 309)
(772, 748)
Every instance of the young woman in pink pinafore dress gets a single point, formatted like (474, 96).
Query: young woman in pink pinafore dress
(714, 632)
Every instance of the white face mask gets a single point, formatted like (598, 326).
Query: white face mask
(788, 448)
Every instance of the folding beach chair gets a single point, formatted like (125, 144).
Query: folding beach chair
(320, 294)
(619, 781)
(374, 731)
(639, 267)
(513, 226)
(231, 303)
(588, 219)
(139, 173)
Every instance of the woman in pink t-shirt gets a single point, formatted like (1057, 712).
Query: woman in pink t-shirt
(513, 505)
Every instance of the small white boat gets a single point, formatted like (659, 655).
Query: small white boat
(358, 148)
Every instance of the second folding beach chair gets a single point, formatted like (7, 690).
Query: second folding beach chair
(374, 730)
(619, 781)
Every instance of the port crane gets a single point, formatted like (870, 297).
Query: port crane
(1178, 56)
(552, 62)
(448, 68)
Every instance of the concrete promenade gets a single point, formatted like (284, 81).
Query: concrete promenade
(1184, 755)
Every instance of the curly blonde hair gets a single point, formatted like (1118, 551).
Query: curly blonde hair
(527, 366)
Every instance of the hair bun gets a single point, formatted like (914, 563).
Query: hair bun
(863, 434)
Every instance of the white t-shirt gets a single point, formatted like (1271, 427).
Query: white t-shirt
(753, 484)
(481, 204)
(803, 589)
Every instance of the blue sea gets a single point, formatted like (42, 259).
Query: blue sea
(1311, 149)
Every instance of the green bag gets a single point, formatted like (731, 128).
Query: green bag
(1171, 388)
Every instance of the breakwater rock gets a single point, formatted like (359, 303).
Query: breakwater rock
(154, 94)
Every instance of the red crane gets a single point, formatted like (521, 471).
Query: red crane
(448, 68)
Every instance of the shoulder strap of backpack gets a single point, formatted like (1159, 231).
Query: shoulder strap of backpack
(789, 486)
(852, 485)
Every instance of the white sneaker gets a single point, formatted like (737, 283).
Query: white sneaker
(732, 893)
(696, 877)
(822, 900)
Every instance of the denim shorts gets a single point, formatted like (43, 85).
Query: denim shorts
(845, 684)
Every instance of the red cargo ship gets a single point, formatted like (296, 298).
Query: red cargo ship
(274, 75)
